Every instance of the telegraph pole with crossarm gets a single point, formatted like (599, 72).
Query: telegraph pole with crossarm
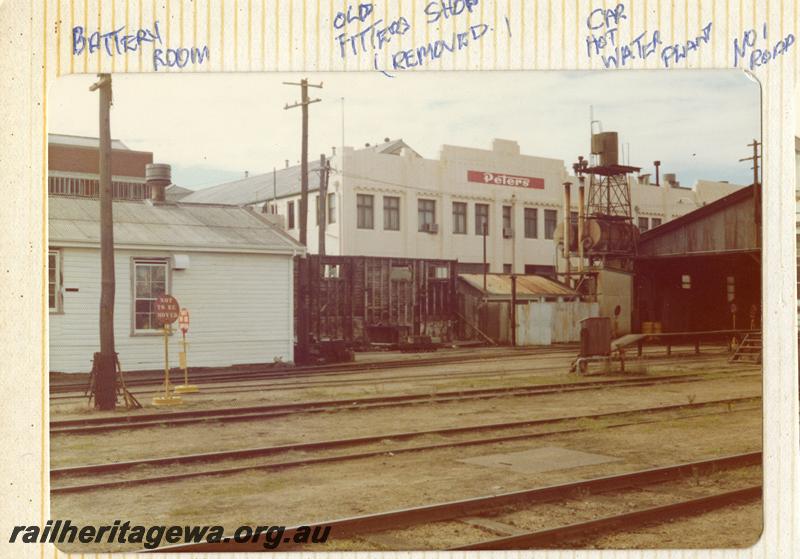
(302, 295)
(756, 186)
(303, 104)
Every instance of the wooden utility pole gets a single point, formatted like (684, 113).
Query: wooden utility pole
(105, 376)
(303, 104)
(322, 208)
(756, 187)
(302, 295)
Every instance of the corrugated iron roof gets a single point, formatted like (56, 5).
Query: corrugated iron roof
(189, 226)
(499, 285)
(174, 192)
(700, 213)
(82, 141)
(260, 188)
(256, 188)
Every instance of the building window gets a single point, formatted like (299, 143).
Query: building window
(400, 272)
(506, 268)
(550, 220)
(332, 271)
(573, 216)
(531, 223)
(426, 211)
(121, 190)
(686, 281)
(540, 270)
(150, 281)
(365, 211)
(391, 213)
(655, 222)
(459, 218)
(331, 208)
(440, 272)
(53, 279)
(481, 219)
(730, 287)
(643, 224)
(290, 215)
(506, 217)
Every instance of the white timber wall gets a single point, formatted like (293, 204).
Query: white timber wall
(240, 307)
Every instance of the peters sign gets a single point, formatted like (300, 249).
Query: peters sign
(504, 180)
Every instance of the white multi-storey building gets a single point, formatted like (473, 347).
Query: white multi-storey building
(387, 200)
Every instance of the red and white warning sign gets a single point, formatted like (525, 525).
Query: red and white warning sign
(167, 309)
(183, 320)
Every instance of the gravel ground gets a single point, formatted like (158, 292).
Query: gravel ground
(317, 493)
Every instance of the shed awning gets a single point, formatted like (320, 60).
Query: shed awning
(498, 286)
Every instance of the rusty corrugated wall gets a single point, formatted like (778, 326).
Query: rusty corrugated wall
(364, 299)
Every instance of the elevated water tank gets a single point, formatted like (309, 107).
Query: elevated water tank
(606, 145)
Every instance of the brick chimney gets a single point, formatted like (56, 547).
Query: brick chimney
(158, 177)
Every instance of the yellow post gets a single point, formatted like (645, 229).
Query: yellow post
(167, 399)
(166, 360)
(185, 388)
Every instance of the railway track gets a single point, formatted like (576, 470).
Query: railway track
(360, 526)
(624, 521)
(269, 386)
(108, 423)
(292, 384)
(294, 373)
(286, 372)
(204, 458)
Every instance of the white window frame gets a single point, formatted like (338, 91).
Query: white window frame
(331, 207)
(365, 211)
(508, 217)
(460, 228)
(391, 213)
(481, 219)
(531, 232)
(426, 213)
(550, 225)
(142, 261)
(57, 284)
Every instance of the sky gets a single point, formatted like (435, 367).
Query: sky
(213, 127)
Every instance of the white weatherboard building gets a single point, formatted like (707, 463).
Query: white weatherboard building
(230, 267)
(387, 200)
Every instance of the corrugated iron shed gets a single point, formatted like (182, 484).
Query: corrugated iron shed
(498, 286)
(726, 226)
(76, 222)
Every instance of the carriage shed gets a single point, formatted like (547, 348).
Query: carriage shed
(702, 271)
(230, 267)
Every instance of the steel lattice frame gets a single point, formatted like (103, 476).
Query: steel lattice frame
(609, 196)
